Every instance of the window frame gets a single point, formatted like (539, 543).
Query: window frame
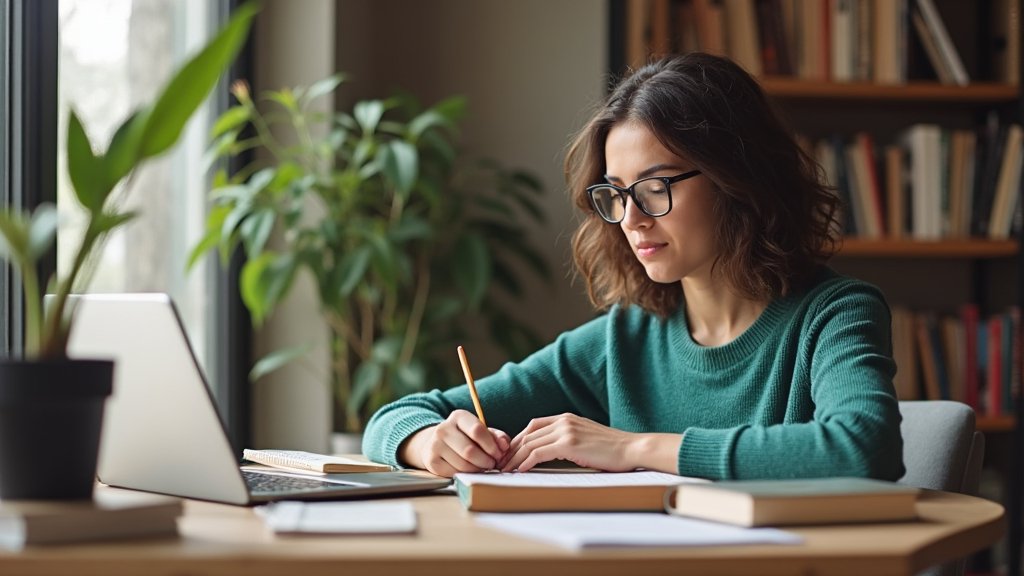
(31, 144)
(28, 177)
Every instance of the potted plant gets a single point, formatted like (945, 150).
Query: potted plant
(405, 239)
(51, 407)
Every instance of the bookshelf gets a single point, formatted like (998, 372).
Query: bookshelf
(982, 93)
(887, 80)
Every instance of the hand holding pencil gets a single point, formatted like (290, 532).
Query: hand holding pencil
(461, 443)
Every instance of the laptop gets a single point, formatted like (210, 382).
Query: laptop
(161, 430)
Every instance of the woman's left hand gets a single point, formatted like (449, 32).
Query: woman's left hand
(574, 438)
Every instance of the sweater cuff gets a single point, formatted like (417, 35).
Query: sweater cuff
(398, 433)
(705, 453)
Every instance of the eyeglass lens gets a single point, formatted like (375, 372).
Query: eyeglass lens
(652, 195)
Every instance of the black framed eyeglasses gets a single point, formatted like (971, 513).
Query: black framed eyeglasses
(653, 196)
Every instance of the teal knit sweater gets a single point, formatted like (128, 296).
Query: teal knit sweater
(806, 391)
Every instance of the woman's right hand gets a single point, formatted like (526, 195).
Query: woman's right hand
(459, 444)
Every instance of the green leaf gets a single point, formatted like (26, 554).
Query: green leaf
(453, 108)
(441, 146)
(527, 181)
(530, 206)
(494, 205)
(209, 241)
(506, 279)
(14, 228)
(410, 378)
(401, 165)
(42, 232)
(238, 213)
(386, 260)
(368, 114)
(286, 98)
(231, 118)
(278, 359)
(84, 168)
(367, 376)
(386, 350)
(264, 281)
(192, 83)
(472, 268)
(321, 88)
(444, 308)
(411, 227)
(364, 151)
(353, 268)
(221, 146)
(426, 121)
(508, 241)
(255, 231)
(108, 221)
(123, 153)
(231, 194)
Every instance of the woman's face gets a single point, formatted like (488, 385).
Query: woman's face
(679, 244)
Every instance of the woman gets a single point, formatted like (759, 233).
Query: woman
(728, 350)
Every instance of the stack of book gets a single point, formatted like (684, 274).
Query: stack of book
(112, 514)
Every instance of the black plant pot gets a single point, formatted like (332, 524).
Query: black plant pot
(51, 414)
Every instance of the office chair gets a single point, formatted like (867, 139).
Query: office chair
(941, 451)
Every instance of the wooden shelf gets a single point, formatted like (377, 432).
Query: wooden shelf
(912, 92)
(972, 248)
(995, 423)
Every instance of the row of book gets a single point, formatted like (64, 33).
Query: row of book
(962, 357)
(932, 183)
(882, 41)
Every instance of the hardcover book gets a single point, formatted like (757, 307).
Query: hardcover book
(791, 502)
(111, 514)
(563, 492)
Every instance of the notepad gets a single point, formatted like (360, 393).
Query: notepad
(311, 462)
(578, 530)
(290, 517)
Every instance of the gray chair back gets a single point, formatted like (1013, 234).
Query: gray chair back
(941, 451)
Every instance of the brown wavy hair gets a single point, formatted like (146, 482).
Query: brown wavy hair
(776, 219)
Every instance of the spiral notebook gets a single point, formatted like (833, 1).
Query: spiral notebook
(310, 462)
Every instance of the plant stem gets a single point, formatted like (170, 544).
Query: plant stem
(366, 319)
(264, 133)
(419, 305)
(346, 333)
(33, 312)
(54, 332)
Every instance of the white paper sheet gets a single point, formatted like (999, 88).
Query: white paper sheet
(588, 530)
(339, 517)
(576, 479)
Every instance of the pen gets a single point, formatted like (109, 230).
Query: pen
(472, 386)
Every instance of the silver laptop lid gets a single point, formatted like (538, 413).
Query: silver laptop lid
(161, 431)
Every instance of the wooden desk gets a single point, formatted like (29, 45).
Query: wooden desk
(226, 540)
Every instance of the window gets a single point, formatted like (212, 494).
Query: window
(5, 138)
(113, 56)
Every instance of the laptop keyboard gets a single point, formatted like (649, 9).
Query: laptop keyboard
(273, 483)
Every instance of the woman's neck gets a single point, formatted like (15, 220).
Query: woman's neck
(716, 314)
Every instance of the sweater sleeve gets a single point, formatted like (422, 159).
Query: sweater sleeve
(854, 430)
(565, 376)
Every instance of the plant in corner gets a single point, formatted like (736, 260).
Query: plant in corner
(407, 242)
(51, 407)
